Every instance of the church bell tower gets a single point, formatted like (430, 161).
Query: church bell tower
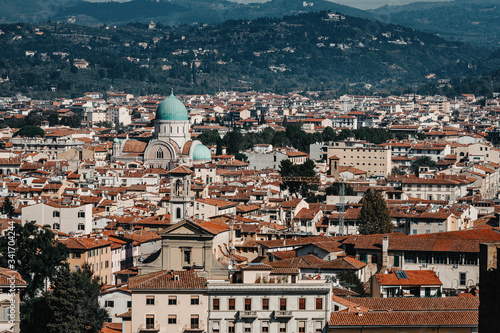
(180, 189)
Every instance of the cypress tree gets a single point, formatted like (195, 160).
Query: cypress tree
(374, 217)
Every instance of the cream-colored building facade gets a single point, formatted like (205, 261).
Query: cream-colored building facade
(375, 160)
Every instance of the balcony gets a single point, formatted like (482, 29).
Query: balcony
(193, 328)
(248, 314)
(282, 314)
(150, 328)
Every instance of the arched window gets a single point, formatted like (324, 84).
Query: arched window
(159, 153)
(178, 213)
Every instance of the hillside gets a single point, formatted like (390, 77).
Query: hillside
(314, 51)
(471, 21)
(171, 12)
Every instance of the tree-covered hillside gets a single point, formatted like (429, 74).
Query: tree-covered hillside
(312, 51)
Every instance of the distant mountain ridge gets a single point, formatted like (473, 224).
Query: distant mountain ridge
(472, 21)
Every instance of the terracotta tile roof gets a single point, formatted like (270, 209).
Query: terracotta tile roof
(85, 243)
(134, 146)
(343, 292)
(342, 263)
(296, 242)
(285, 270)
(6, 274)
(214, 227)
(111, 328)
(285, 254)
(419, 303)
(410, 318)
(415, 278)
(165, 280)
(299, 262)
(181, 170)
(220, 203)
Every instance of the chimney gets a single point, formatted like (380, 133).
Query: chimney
(385, 248)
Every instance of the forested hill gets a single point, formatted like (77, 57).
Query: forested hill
(472, 21)
(169, 12)
(311, 51)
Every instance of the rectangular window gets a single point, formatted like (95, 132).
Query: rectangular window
(318, 326)
(302, 326)
(319, 304)
(81, 226)
(230, 327)
(463, 279)
(282, 327)
(172, 319)
(195, 321)
(396, 261)
(55, 213)
(231, 304)
(195, 300)
(215, 327)
(77, 255)
(410, 257)
(150, 300)
(129, 304)
(5, 313)
(81, 214)
(248, 304)
(187, 257)
(248, 328)
(302, 303)
(150, 321)
(215, 304)
(265, 304)
(172, 300)
(283, 304)
(265, 327)
(109, 304)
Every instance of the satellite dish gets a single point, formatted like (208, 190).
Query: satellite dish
(230, 267)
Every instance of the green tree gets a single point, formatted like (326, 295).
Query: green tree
(73, 121)
(71, 306)
(288, 169)
(422, 161)
(211, 137)
(30, 131)
(39, 255)
(329, 134)
(334, 189)
(8, 208)
(374, 217)
(234, 142)
(350, 280)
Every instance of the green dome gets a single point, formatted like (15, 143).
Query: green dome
(201, 152)
(171, 109)
(116, 140)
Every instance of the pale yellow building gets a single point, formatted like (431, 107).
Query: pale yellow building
(375, 160)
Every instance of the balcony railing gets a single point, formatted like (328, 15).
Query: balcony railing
(248, 314)
(193, 328)
(283, 314)
(148, 328)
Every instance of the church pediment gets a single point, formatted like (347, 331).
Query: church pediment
(186, 228)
